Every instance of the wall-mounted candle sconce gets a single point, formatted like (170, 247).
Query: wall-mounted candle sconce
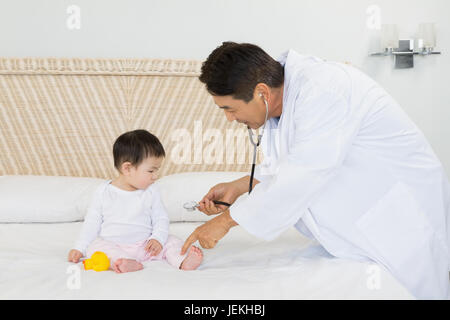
(403, 49)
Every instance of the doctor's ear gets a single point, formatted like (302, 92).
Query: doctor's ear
(261, 90)
(264, 99)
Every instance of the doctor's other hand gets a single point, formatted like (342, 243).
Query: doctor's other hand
(74, 256)
(209, 233)
(226, 192)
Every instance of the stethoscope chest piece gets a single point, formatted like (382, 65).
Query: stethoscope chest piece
(191, 205)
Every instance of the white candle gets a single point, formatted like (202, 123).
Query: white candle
(427, 33)
(389, 36)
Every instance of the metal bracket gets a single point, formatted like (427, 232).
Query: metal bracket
(404, 54)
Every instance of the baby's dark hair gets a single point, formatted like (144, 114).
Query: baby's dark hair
(136, 146)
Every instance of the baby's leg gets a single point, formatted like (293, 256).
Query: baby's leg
(127, 265)
(193, 259)
(120, 259)
(129, 261)
(107, 247)
(189, 261)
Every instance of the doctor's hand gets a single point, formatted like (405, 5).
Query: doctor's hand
(209, 233)
(226, 192)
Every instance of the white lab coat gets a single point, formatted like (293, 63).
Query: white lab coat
(345, 165)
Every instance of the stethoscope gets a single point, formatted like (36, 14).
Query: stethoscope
(191, 205)
(256, 144)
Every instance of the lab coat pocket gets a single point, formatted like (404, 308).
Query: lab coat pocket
(397, 230)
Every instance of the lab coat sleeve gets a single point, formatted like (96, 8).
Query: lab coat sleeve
(159, 217)
(92, 222)
(324, 129)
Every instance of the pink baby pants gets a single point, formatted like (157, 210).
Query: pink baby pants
(136, 251)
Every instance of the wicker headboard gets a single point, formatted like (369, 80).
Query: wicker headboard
(60, 117)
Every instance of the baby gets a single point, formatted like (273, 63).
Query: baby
(126, 218)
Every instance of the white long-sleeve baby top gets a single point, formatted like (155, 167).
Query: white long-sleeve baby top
(124, 217)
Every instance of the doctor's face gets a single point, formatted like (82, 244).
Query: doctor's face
(252, 113)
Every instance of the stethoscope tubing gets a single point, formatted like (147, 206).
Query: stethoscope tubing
(222, 203)
(255, 145)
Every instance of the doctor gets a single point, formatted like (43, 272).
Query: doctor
(343, 163)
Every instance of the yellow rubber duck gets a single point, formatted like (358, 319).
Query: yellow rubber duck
(99, 262)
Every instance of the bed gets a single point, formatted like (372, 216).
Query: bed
(33, 266)
(58, 120)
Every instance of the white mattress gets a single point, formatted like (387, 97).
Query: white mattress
(33, 265)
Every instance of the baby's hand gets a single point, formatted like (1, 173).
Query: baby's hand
(153, 247)
(74, 255)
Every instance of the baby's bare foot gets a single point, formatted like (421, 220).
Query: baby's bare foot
(193, 259)
(126, 265)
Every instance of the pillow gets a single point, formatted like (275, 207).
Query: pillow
(30, 198)
(179, 188)
(27, 198)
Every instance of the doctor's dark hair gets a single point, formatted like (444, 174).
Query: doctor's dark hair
(236, 68)
(135, 146)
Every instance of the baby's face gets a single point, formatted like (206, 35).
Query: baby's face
(146, 173)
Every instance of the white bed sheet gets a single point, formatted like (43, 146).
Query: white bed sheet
(33, 265)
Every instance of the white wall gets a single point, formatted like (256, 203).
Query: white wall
(331, 29)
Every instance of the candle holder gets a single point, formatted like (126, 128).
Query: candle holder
(404, 50)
